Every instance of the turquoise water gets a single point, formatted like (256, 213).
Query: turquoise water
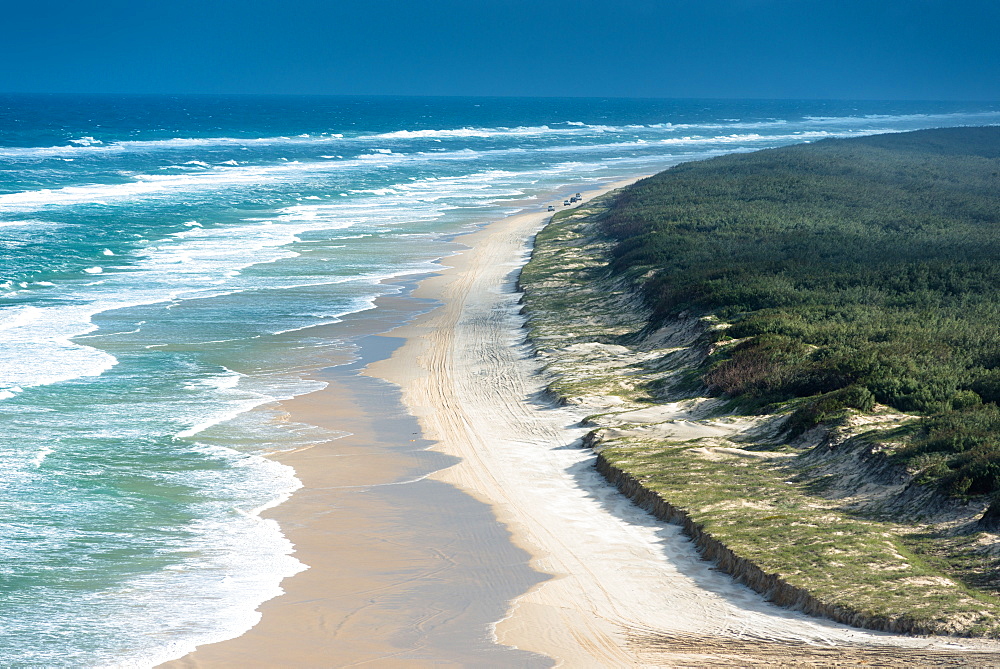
(161, 261)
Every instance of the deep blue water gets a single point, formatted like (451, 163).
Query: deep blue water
(161, 259)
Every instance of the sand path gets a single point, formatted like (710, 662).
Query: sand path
(626, 589)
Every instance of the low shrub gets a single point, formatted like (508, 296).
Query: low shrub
(827, 408)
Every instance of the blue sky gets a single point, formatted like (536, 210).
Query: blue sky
(848, 49)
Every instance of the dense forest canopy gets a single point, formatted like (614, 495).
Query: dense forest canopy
(852, 271)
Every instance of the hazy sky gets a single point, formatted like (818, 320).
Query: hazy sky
(863, 49)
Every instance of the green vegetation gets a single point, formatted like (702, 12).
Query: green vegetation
(562, 276)
(851, 271)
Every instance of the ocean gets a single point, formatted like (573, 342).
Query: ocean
(163, 260)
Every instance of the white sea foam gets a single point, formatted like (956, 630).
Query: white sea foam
(182, 143)
(215, 593)
(737, 138)
(222, 177)
(198, 263)
(38, 347)
(232, 408)
(577, 128)
(26, 223)
(450, 133)
(923, 119)
(40, 456)
(145, 186)
(231, 559)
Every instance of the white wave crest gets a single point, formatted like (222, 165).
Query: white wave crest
(89, 145)
(38, 348)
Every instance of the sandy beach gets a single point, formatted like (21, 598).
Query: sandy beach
(466, 527)
(394, 557)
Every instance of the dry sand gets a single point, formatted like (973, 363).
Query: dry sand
(387, 574)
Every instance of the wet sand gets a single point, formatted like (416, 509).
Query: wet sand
(403, 570)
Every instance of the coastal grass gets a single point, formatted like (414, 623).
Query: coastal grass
(564, 266)
(960, 555)
(760, 508)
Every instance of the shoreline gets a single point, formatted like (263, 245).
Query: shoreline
(372, 529)
(345, 540)
(424, 368)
